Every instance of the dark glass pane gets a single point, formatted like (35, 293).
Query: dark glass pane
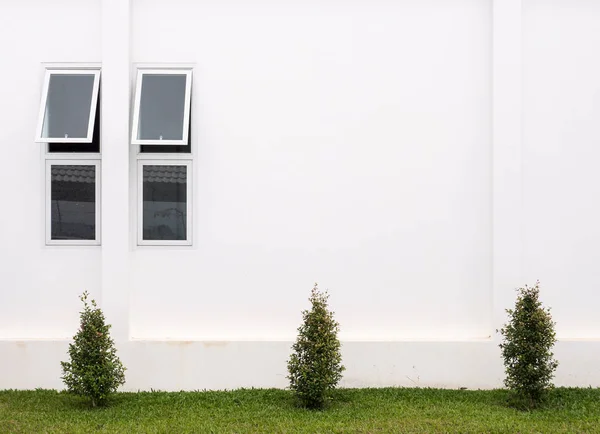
(166, 149)
(162, 106)
(68, 106)
(73, 198)
(165, 202)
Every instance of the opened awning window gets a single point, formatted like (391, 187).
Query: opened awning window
(161, 113)
(68, 106)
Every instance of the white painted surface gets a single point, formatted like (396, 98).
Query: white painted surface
(561, 147)
(507, 193)
(39, 285)
(331, 147)
(116, 200)
(418, 158)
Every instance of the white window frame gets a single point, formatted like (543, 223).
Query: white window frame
(94, 103)
(48, 196)
(189, 199)
(138, 96)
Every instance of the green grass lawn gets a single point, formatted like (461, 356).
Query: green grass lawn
(274, 411)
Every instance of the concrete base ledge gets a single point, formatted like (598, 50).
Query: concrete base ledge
(197, 365)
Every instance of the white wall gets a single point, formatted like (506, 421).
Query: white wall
(331, 147)
(39, 285)
(561, 141)
(420, 159)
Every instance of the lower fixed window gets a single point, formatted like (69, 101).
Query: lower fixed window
(72, 202)
(164, 208)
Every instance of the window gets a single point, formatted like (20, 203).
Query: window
(72, 191)
(68, 106)
(161, 135)
(69, 127)
(164, 209)
(80, 148)
(161, 112)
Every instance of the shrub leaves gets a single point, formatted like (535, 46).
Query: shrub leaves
(94, 370)
(529, 337)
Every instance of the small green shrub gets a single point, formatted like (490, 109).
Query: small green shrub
(527, 348)
(94, 370)
(315, 366)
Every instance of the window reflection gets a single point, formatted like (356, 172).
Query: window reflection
(73, 202)
(68, 106)
(164, 202)
(162, 107)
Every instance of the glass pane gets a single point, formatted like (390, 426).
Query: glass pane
(73, 199)
(93, 146)
(165, 202)
(162, 106)
(68, 105)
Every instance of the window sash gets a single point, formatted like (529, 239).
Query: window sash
(98, 210)
(93, 106)
(189, 198)
(138, 98)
